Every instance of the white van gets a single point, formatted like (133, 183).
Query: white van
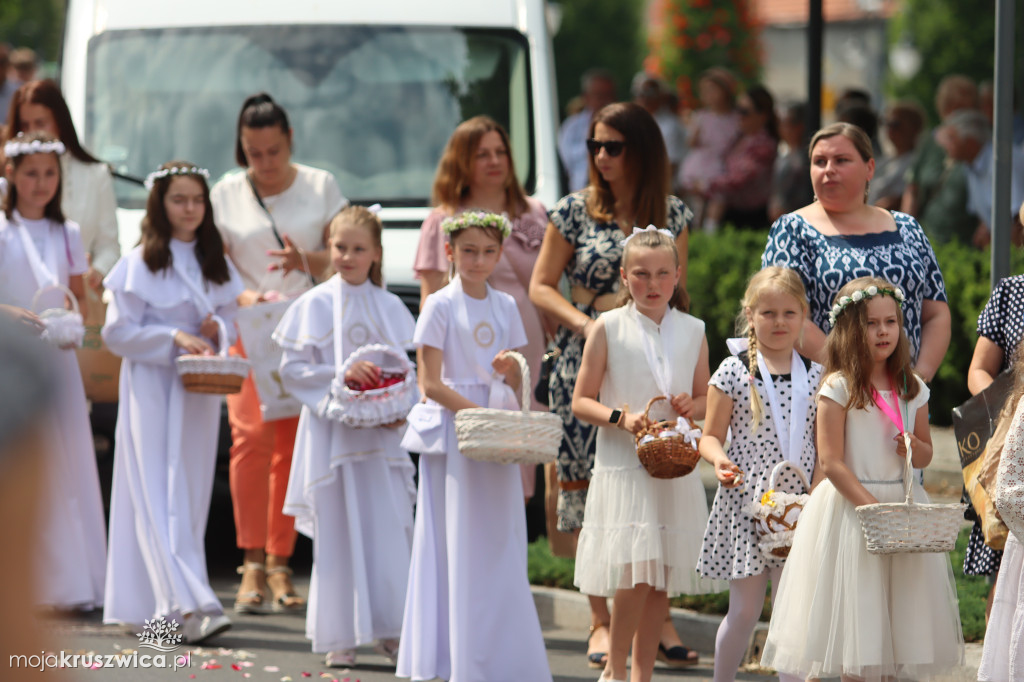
(373, 90)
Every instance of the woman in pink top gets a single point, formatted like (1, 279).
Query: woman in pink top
(476, 172)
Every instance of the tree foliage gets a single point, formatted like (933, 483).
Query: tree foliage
(33, 23)
(608, 34)
(952, 36)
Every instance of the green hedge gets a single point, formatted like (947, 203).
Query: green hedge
(721, 263)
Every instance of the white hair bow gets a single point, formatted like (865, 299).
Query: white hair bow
(649, 228)
(374, 209)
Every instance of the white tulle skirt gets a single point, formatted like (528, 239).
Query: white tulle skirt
(638, 529)
(1003, 657)
(843, 611)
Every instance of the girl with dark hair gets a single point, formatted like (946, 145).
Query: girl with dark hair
(173, 294)
(272, 216)
(629, 186)
(39, 253)
(87, 195)
(740, 194)
(476, 171)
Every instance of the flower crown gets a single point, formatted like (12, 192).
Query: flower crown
(177, 170)
(863, 295)
(20, 147)
(477, 219)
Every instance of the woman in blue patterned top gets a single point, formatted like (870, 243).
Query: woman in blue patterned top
(840, 237)
(629, 186)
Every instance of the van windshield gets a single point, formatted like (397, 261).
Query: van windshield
(373, 105)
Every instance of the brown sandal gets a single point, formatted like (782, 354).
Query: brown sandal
(285, 598)
(252, 601)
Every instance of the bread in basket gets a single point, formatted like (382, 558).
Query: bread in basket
(62, 328)
(775, 512)
(217, 374)
(508, 436)
(386, 402)
(667, 449)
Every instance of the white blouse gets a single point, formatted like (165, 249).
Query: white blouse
(88, 199)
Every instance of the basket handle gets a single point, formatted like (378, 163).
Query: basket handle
(786, 463)
(908, 471)
(524, 370)
(59, 287)
(222, 336)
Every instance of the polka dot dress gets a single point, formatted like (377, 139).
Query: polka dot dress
(729, 551)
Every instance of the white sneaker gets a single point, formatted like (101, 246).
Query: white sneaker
(213, 624)
(192, 629)
(341, 658)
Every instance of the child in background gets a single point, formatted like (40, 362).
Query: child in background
(39, 250)
(350, 489)
(712, 130)
(166, 294)
(765, 431)
(641, 535)
(840, 610)
(469, 615)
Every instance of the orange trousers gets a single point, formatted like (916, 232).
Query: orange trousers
(261, 459)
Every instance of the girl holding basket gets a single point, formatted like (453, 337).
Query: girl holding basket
(765, 434)
(842, 610)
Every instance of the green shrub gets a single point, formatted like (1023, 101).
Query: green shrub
(720, 264)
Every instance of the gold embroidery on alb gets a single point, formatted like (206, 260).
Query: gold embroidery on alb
(359, 334)
(483, 334)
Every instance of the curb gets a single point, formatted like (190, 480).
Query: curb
(571, 610)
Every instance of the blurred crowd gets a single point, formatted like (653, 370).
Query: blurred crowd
(740, 157)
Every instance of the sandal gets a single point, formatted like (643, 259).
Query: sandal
(252, 601)
(342, 658)
(388, 648)
(677, 656)
(596, 659)
(285, 598)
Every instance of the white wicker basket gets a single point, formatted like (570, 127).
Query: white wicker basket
(63, 328)
(218, 374)
(507, 436)
(775, 513)
(375, 406)
(905, 527)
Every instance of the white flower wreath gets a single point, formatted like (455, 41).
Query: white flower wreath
(177, 170)
(863, 295)
(469, 219)
(20, 147)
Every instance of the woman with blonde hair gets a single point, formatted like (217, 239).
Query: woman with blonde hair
(477, 172)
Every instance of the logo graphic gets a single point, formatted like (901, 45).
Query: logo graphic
(160, 634)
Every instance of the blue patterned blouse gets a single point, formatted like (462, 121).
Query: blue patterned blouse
(826, 262)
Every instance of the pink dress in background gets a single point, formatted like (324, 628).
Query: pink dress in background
(713, 134)
(512, 275)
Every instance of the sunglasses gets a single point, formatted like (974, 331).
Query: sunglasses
(612, 147)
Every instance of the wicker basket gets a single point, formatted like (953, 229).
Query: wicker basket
(62, 328)
(218, 374)
(905, 527)
(775, 513)
(665, 450)
(507, 436)
(383, 406)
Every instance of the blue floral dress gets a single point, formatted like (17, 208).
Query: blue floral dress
(595, 265)
(827, 262)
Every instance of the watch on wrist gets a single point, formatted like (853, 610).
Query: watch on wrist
(615, 417)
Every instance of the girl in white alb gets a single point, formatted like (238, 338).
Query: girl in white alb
(351, 489)
(641, 535)
(168, 295)
(842, 611)
(40, 250)
(766, 431)
(469, 614)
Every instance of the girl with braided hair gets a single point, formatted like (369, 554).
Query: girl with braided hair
(765, 431)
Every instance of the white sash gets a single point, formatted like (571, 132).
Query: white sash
(202, 301)
(662, 370)
(499, 390)
(793, 447)
(45, 273)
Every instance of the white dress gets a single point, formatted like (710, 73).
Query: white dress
(842, 610)
(636, 528)
(730, 550)
(469, 613)
(1002, 659)
(165, 440)
(72, 541)
(351, 489)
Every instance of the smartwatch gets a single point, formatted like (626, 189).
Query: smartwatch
(615, 417)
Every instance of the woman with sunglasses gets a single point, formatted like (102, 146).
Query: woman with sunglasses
(629, 186)
(739, 196)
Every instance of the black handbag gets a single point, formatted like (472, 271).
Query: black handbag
(541, 390)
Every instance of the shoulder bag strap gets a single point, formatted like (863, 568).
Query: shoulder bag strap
(273, 223)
